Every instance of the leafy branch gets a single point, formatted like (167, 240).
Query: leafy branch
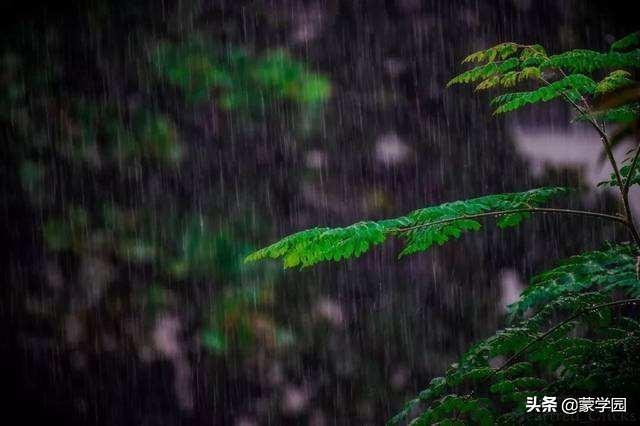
(419, 230)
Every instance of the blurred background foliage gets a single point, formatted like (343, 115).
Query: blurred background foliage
(148, 147)
(241, 81)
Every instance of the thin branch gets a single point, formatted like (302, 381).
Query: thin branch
(603, 136)
(560, 324)
(618, 219)
(632, 167)
(625, 197)
(616, 170)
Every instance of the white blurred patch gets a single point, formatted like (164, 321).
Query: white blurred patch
(166, 339)
(307, 24)
(295, 400)
(578, 148)
(400, 378)
(330, 311)
(95, 274)
(394, 66)
(165, 336)
(543, 147)
(510, 287)
(390, 149)
(315, 159)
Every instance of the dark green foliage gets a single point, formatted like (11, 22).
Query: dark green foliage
(419, 229)
(456, 410)
(608, 270)
(631, 40)
(555, 356)
(587, 61)
(573, 86)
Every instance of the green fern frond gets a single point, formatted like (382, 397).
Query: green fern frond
(587, 61)
(529, 73)
(533, 53)
(451, 219)
(501, 51)
(320, 244)
(572, 86)
(615, 80)
(478, 56)
(630, 40)
(622, 114)
(489, 83)
(484, 71)
(508, 79)
(419, 229)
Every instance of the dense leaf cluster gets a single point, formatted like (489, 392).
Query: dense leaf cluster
(565, 75)
(570, 343)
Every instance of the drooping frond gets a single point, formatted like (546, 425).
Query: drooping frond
(419, 229)
(572, 86)
(630, 40)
